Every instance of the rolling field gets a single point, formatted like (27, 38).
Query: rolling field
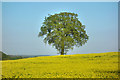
(99, 65)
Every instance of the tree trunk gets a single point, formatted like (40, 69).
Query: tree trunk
(62, 51)
(62, 45)
(62, 48)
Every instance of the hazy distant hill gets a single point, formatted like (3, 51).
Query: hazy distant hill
(28, 56)
(4, 56)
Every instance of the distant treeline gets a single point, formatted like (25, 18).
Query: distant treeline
(4, 56)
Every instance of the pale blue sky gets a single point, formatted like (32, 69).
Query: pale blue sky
(21, 24)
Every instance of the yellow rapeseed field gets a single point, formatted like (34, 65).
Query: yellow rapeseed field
(99, 65)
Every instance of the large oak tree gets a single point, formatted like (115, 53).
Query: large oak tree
(63, 31)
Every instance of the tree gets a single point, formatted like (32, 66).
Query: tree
(63, 31)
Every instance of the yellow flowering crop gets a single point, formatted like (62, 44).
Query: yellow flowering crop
(99, 65)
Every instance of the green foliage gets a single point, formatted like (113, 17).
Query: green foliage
(63, 31)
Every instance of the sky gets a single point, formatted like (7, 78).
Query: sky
(0, 26)
(21, 22)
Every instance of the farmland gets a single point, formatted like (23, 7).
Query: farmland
(99, 65)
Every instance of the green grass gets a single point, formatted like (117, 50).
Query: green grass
(99, 65)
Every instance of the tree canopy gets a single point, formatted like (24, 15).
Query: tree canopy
(63, 31)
